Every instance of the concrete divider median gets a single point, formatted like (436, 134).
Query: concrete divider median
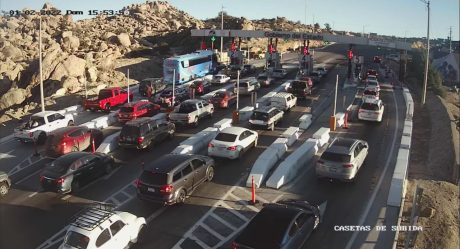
(109, 144)
(197, 142)
(292, 134)
(290, 167)
(266, 161)
(340, 119)
(322, 134)
(398, 181)
(305, 121)
(222, 124)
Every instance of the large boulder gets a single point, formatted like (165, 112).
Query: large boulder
(12, 24)
(13, 97)
(72, 66)
(92, 74)
(71, 84)
(123, 39)
(12, 52)
(106, 64)
(71, 43)
(66, 34)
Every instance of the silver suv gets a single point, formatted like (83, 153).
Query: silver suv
(5, 184)
(342, 159)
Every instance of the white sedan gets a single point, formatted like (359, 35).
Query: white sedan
(232, 142)
(371, 110)
(220, 79)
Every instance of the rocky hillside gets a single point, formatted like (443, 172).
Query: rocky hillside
(92, 50)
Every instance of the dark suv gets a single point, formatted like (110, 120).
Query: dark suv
(172, 177)
(144, 132)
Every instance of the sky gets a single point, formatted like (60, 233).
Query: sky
(388, 17)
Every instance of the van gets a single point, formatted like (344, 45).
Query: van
(144, 132)
(172, 177)
(283, 101)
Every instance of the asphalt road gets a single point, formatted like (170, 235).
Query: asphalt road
(43, 216)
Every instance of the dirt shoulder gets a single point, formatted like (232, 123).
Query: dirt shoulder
(432, 167)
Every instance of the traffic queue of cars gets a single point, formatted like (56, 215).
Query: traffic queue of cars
(171, 178)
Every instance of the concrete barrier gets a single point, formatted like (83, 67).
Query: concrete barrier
(398, 181)
(405, 142)
(290, 167)
(266, 161)
(246, 113)
(109, 144)
(305, 121)
(197, 142)
(292, 134)
(407, 130)
(340, 119)
(222, 124)
(322, 134)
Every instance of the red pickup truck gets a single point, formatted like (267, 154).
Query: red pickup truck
(107, 98)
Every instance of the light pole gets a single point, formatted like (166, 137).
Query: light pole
(42, 97)
(221, 29)
(425, 79)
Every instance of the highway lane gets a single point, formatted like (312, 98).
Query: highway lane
(55, 217)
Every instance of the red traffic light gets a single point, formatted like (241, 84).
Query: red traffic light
(233, 47)
(350, 54)
(270, 49)
(306, 51)
(203, 45)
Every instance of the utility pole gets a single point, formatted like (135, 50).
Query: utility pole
(425, 79)
(128, 85)
(221, 29)
(450, 40)
(305, 15)
(42, 97)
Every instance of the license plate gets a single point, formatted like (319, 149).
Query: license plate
(151, 189)
(332, 169)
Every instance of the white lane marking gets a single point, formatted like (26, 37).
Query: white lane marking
(6, 155)
(211, 231)
(20, 165)
(217, 217)
(66, 197)
(32, 195)
(155, 214)
(377, 188)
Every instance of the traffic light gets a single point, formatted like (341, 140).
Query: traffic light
(350, 54)
(233, 47)
(305, 51)
(203, 45)
(270, 49)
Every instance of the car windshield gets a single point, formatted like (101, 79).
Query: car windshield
(153, 178)
(262, 78)
(76, 240)
(129, 131)
(187, 107)
(298, 84)
(104, 94)
(59, 166)
(335, 157)
(225, 137)
(244, 84)
(35, 122)
(126, 109)
(373, 83)
(219, 95)
(370, 106)
(259, 116)
(369, 92)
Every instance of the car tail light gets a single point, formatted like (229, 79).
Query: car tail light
(140, 140)
(210, 145)
(134, 115)
(189, 116)
(42, 178)
(31, 134)
(60, 180)
(137, 182)
(167, 189)
(234, 245)
(232, 148)
(347, 165)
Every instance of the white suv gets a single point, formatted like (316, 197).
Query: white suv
(283, 101)
(101, 228)
(371, 110)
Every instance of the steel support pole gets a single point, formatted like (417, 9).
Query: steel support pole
(425, 79)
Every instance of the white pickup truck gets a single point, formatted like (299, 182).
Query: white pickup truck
(191, 111)
(40, 124)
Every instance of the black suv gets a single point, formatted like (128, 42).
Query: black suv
(144, 132)
(172, 177)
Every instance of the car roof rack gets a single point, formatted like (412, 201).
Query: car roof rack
(93, 215)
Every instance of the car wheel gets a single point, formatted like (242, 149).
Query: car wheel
(75, 186)
(108, 168)
(41, 138)
(70, 123)
(140, 235)
(195, 123)
(181, 195)
(272, 127)
(210, 174)
(3, 189)
(211, 113)
(107, 107)
(74, 148)
(240, 155)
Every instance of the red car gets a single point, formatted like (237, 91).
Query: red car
(71, 138)
(133, 110)
(223, 99)
(107, 98)
(201, 87)
(377, 59)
